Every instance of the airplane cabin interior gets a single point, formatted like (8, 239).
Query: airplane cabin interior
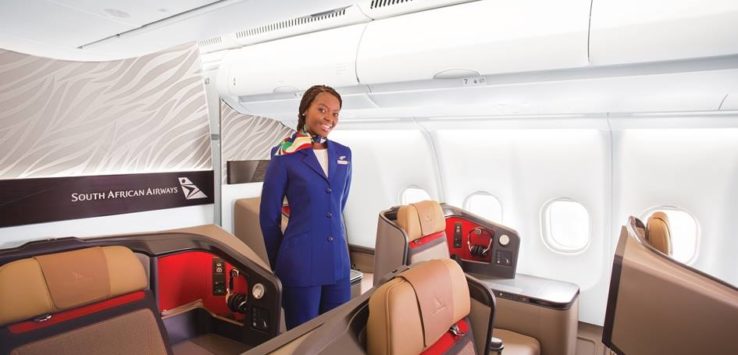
(527, 178)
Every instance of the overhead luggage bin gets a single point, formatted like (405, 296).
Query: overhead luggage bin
(291, 65)
(633, 31)
(477, 38)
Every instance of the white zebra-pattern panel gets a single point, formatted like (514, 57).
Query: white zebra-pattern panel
(67, 118)
(247, 137)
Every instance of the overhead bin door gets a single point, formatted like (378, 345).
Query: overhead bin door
(632, 31)
(484, 37)
(292, 64)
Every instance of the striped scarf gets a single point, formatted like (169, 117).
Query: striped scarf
(298, 141)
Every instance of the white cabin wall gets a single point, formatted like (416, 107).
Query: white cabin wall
(526, 165)
(688, 162)
(386, 160)
(614, 165)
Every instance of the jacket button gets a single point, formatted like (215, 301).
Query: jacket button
(329, 215)
(329, 190)
(330, 239)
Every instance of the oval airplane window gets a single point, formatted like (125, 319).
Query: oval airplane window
(485, 205)
(413, 194)
(565, 226)
(684, 233)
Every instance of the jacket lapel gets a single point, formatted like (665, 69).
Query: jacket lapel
(308, 157)
(331, 160)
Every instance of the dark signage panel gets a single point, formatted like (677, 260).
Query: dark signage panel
(26, 201)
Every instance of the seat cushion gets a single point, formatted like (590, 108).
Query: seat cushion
(516, 343)
(208, 344)
(131, 333)
(47, 284)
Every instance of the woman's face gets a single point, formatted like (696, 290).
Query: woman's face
(322, 114)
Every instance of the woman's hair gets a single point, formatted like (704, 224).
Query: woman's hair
(307, 99)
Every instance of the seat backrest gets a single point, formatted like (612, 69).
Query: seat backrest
(425, 308)
(409, 234)
(425, 227)
(658, 232)
(90, 300)
(247, 228)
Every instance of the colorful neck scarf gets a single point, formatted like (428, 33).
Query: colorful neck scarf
(298, 141)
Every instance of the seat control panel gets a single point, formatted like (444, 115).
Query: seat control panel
(457, 234)
(219, 279)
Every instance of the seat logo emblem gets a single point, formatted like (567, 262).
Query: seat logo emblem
(190, 191)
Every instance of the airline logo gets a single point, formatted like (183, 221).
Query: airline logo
(190, 191)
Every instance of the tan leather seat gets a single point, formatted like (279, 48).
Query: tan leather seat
(425, 226)
(425, 307)
(422, 237)
(89, 300)
(658, 232)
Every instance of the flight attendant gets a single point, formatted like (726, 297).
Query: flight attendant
(311, 258)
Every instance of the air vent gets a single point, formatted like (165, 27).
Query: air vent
(293, 22)
(384, 3)
(210, 41)
(379, 9)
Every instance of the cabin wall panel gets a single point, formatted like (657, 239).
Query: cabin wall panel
(64, 118)
(385, 162)
(244, 137)
(525, 169)
(694, 169)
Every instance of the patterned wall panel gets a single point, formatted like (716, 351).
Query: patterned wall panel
(66, 118)
(247, 137)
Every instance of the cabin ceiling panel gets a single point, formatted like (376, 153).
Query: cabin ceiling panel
(46, 22)
(131, 12)
(56, 28)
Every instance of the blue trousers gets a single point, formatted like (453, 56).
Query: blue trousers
(302, 304)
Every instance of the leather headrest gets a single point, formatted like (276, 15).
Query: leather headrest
(421, 219)
(51, 283)
(412, 311)
(658, 232)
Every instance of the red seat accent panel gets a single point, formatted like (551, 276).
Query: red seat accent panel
(448, 340)
(63, 316)
(417, 243)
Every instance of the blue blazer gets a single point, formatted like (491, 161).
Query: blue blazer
(313, 250)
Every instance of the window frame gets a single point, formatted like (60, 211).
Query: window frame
(484, 193)
(547, 235)
(402, 194)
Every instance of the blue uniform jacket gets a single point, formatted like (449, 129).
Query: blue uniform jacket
(313, 250)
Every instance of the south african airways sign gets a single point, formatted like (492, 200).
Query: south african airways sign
(26, 201)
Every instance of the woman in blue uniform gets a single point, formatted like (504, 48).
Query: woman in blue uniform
(311, 258)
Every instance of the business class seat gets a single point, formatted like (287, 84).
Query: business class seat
(658, 232)
(91, 300)
(422, 310)
(423, 226)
